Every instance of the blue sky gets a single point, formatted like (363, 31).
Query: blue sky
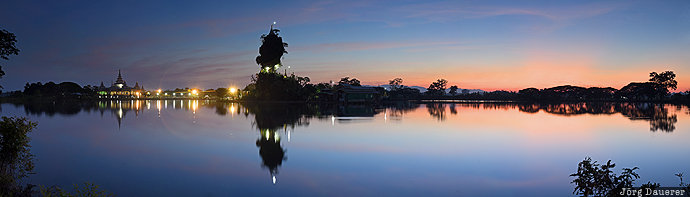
(474, 44)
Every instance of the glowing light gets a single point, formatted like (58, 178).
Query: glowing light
(274, 179)
(274, 22)
(159, 90)
(233, 90)
(195, 91)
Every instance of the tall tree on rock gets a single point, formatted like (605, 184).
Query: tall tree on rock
(271, 50)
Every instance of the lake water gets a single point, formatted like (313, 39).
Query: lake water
(202, 148)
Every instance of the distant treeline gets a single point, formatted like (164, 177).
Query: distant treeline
(55, 90)
(656, 89)
(278, 87)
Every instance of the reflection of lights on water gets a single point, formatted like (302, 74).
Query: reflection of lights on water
(195, 105)
(274, 179)
(276, 137)
(288, 133)
(232, 109)
(267, 134)
(119, 112)
(385, 115)
(332, 120)
(158, 106)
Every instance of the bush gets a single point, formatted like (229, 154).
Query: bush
(16, 160)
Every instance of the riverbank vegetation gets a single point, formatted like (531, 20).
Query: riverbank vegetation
(595, 179)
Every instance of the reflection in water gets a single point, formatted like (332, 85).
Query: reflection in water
(275, 120)
(271, 151)
(275, 116)
(438, 110)
(657, 114)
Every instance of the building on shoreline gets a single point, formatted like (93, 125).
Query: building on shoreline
(119, 89)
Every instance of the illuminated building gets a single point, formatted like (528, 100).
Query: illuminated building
(120, 90)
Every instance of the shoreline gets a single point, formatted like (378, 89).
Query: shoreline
(420, 101)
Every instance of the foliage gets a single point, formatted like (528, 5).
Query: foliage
(405, 93)
(593, 179)
(395, 84)
(279, 87)
(87, 190)
(8, 47)
(347, 80)
(271, 50)
(16, 160)
(437, 88)
(683, 184)
(453, 90)
(51, 89)
(665, 79)
(222, 92)
(643, 91)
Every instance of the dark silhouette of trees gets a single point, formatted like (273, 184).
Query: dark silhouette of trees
(400, 92)
(437, 88)
(347, 80)
(53, 90)
(221, 92)
(656, 89)
(271, 50)
(279, 87)
(643, 91)
(396, 84)
(593, 179)
(16, 160)
(453, 90)
(8, 47)
(666, 79)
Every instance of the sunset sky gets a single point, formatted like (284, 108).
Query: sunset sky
(490, 45)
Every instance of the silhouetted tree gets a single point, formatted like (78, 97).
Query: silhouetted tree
(8, 47)
(279, 87)
(347, 80)
(666, 79)
(437, 88)
(271, 50)
(221, 92)
(643, 91)
(593, 179)
(53, 90)
(395, 84)
(16, 160)
(453, 90)
(529, 94)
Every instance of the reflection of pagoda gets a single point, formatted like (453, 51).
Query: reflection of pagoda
(119, 89)
(271, 152)
(120, 108)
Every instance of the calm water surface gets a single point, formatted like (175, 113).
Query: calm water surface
(201, 148)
